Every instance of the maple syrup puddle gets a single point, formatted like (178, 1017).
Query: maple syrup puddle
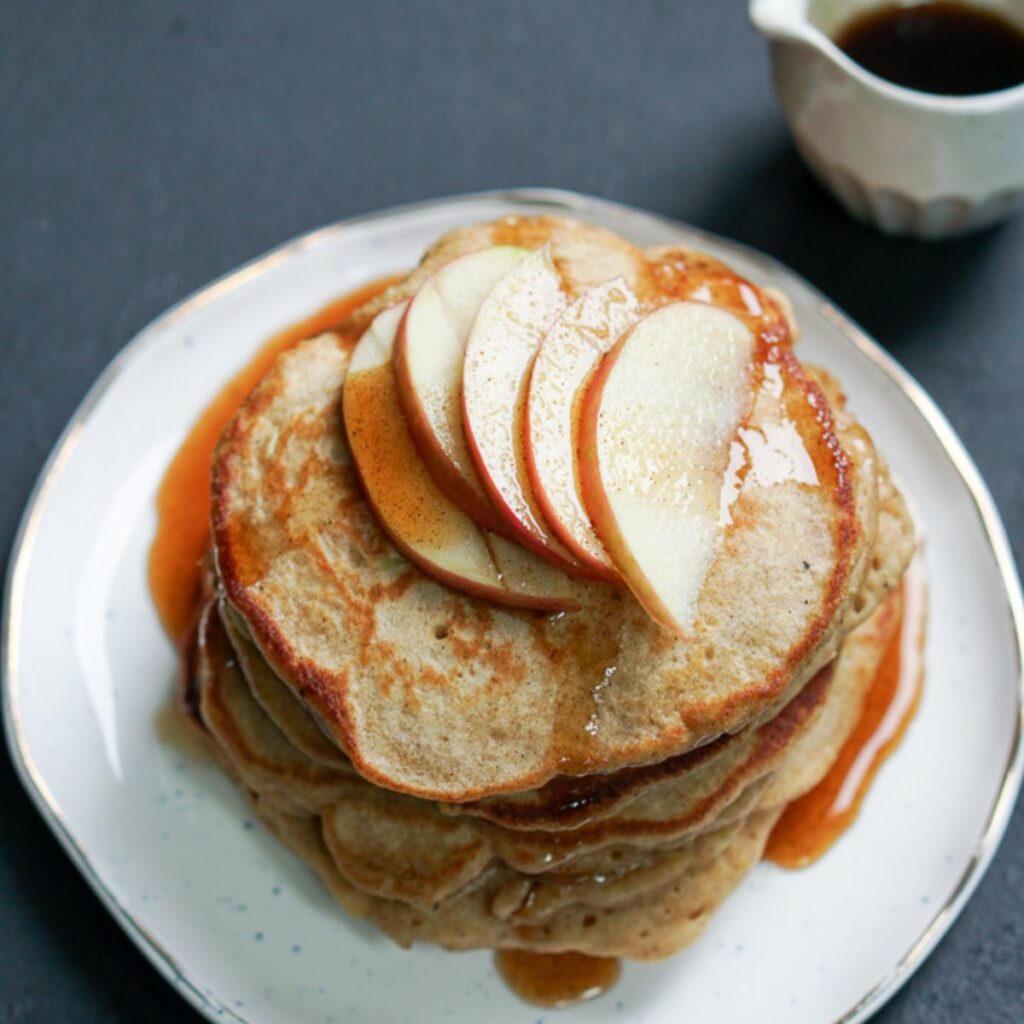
(183, 500)
(810, 825)
(556, 980)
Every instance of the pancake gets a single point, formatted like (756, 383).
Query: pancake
(566, 801)
(414, 878)
(531, 900)
(397, 847)
(369, 821)
(259, 754)
(893, 540)
(655, 925)
(812, 753)
(351, 627)
(647, 911)
(285, 710)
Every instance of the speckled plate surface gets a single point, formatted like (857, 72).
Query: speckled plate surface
(242, 929)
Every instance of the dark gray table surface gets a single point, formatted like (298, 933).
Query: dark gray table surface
(146, 148)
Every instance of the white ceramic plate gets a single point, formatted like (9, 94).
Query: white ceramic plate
(242, 928)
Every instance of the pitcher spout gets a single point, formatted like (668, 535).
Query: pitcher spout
(782, 20)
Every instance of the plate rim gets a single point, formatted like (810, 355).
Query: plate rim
(580, 205)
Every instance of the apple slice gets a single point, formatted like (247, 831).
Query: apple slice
(567, 356)
(429, 354)
(503, 341)
(421, 522)
(655, 430)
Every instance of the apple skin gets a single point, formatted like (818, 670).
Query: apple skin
(460, 484)
(693, 361)
(391, 441)
(596, 501)
(564, 364)
(472, 500)
(499, 357)
(514, 529)
(589, 567)
(494, 594)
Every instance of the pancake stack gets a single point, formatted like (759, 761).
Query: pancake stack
(471, 774)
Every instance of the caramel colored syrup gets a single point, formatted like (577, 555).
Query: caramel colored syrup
(183, 500)
(809, 826)
(556, 980)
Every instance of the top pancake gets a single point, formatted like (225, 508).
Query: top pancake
(433, 693)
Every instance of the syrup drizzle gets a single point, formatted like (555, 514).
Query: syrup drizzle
(811, 825)
(556, 980)
(183, 500)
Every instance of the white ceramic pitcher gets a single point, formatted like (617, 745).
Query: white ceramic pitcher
(911, 163)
